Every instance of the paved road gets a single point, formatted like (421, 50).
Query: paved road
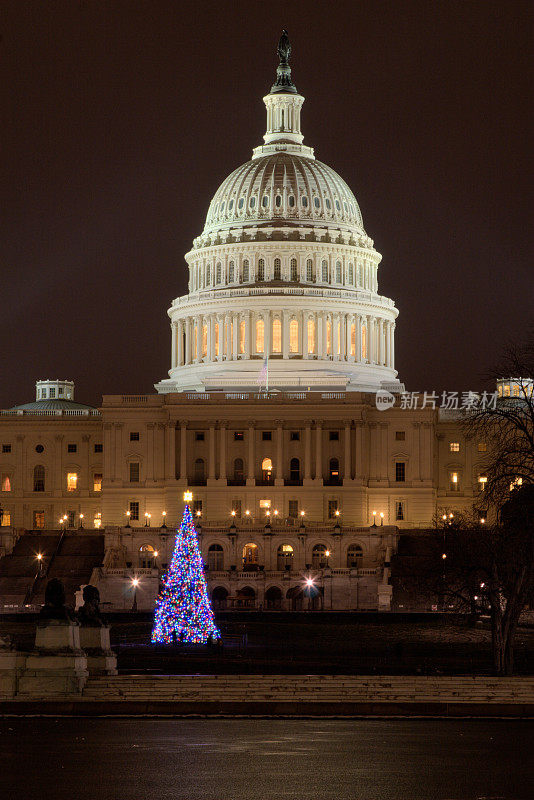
(129, 759)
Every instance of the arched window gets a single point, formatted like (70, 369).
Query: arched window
(242, 336)
(273, 598)
(250, 554)
(261, 269)
(277, 268)
(204, 340)
(260, 335)
(267, 470)
(316, 202)
(329, 337)
(219, 272)
(294, 469)
(265, 201)
(231, 272)
(309, 270)
(294, 270)
(239, 470)
(364, 342)
(208, 274)
(147, 555)
(39, 478)
(278, 201)
(311, 335)
(354, 556)
(284, 557)
(219, 597)
(252, 202)
(277, 336)
(324, 271)
(246, 271)
(353, 339)
(351, 274)
(199, 471)
(319, 557)
(338, 271)
(304, 201)
(293, 336)
(291, 201)
(215, 557)
(333, 469)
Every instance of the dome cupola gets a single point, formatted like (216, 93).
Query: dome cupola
(283, 272)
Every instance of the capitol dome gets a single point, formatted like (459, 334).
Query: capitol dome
(283, 279)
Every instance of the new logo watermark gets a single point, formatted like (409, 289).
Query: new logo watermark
(448, 401)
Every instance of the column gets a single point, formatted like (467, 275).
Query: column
(381, 359)
(247, 334)
(359, 451)
(220, 329)
(307, 450)
(318, 452)
(393, 345)
(267, 331)
(228, 323)
(235, 336)
(342, 336)
(211, 338)
(187, 357)
(211, 457)
(222, 450)
(305, 334)
(251, 467)
(347, 472)
(180, 343)
(198, 322)
(369, 338)
(320, 334)
(150, 451)
(279, 468)
(173, 345)
(358, 321)
(285, 333)
(170, 451)
(183, 450)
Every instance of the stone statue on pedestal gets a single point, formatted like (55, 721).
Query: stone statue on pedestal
(89, 614)
(54, 607)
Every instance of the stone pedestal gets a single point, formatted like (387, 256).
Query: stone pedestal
(101, 660)
(58, 665)
(12, 665)
(385, 592)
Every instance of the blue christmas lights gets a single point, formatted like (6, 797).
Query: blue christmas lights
(183, 610)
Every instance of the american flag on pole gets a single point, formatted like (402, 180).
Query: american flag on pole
(264, 372)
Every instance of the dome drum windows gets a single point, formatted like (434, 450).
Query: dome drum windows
(324, 272)
(246, 270)
(277, 269)
(231, 272)
(261, 269)
(309, 270)
(294, 270)
(278, 201)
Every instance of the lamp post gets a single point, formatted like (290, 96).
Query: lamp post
(135, 584)
(39, 558)
(374, 519)
(164, 515)
(147, 517)
(381, 518)
(81, 520)
(128, 519)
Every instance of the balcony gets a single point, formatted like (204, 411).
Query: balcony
(333, 481)
(265, 481)
(237, 482)
(293, 482)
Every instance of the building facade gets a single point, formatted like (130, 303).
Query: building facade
(269, 413)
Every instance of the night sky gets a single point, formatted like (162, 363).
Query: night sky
(121, 119)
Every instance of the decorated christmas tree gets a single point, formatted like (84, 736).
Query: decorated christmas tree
(183, 610)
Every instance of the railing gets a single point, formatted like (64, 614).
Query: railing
(59, 412)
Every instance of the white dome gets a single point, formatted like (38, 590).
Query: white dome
(284, 189)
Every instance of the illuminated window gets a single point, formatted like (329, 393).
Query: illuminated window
(216, 338)
(507, 391)
(97, 521)
(38, 478)
(311, 336)
(499, 390)
(38, 519)
(242, 336)
(5, 518)
(261, 269)
(482, 481)
(482, 447)
(454, 447)
(267, 469)
(353, 339)
(97, 482)
(134, 471)
(364, 342)
(265, 505)
(246, 270)
(454, 482)
(515, 483)
(204, 340)
(324, 271)
(293, 336)
(332, 508)
(329, 338)
(294, 271)
(351, 274)
(277, 336)
(195, 334)
(309, 270)
(250, 554)
(319, 557)
(284, 556)
(515, 390)
(72, 481)
(333, 469)
(260, 334)
(231, 272)
(400, 471)
(134, 510)
(6, 483)
(277, 267)
(338, 271)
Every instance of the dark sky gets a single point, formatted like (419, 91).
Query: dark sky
(120, 120)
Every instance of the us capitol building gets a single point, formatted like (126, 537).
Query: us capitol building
(268, 415)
